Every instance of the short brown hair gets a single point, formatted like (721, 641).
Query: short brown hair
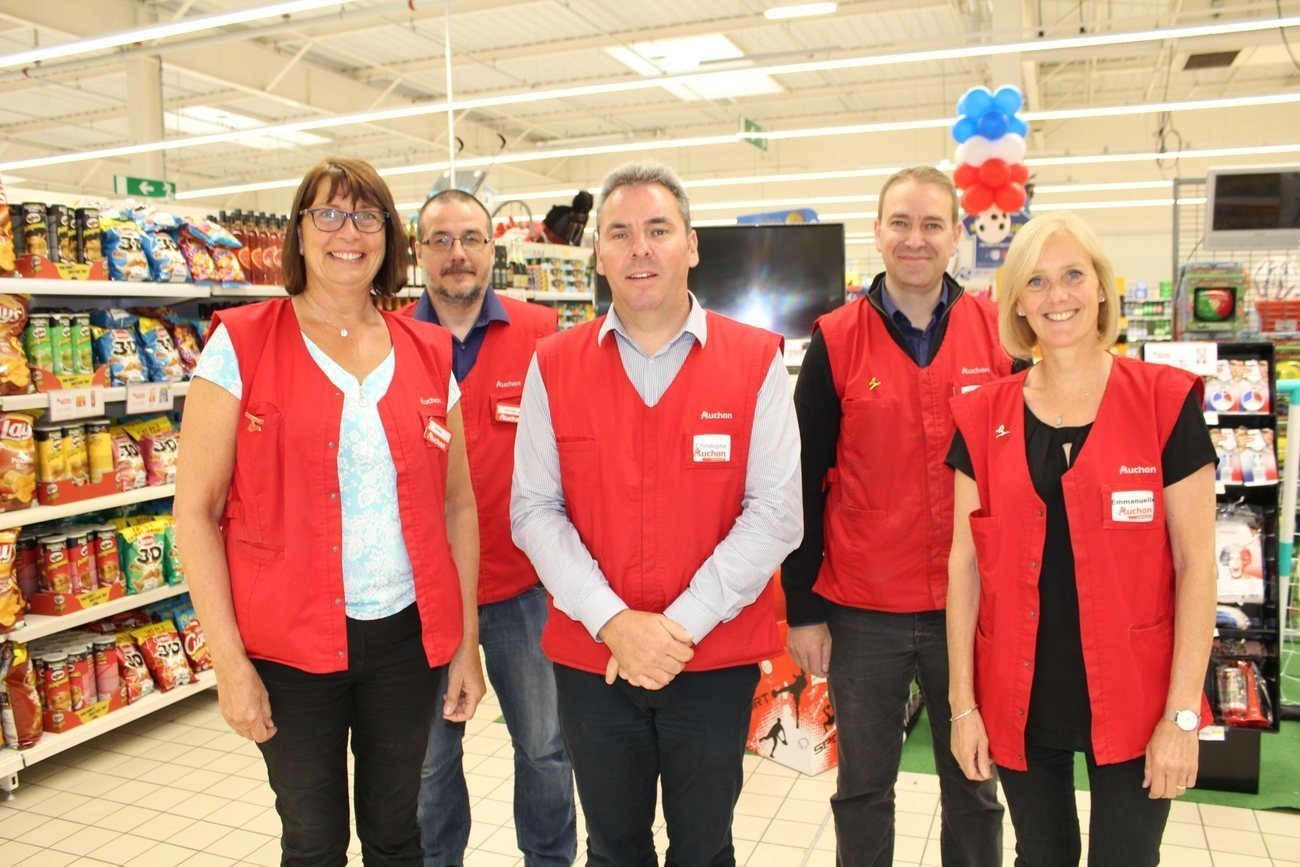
(359, 180)
(452, 195)
(1022, 258)
(921, 175)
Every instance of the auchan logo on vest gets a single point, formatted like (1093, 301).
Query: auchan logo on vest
(715, 416)
(972, 371)
(509, 383)
(1135, 471)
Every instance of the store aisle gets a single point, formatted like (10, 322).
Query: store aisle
(179, 788)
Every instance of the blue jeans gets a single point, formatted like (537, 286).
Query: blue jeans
(874, 658)
(510, 633)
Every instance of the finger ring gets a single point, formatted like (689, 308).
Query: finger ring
(1182, 788)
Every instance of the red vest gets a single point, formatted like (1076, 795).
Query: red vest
(1114, 500)
(653, 490)
(889, 506)
(489, 404)
(283, 522)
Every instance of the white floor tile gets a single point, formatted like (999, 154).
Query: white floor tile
(1232, 842)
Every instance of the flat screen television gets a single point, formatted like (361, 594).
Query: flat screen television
(1253, 208)
(778, 277)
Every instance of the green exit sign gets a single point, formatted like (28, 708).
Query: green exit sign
(748, 126)
(145, 187)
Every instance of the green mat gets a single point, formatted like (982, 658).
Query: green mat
(1279, 775)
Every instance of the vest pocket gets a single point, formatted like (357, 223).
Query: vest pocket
(869, 443)
(985, 532)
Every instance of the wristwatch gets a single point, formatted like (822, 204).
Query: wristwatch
(1186, 719)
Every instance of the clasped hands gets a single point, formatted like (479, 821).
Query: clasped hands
(648, 649)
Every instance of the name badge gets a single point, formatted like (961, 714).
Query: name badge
(711, 448)
(1133, 507)
(967, 389)
(507, 413)
(437, 435)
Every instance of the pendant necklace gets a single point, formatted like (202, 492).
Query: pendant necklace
(343, 332)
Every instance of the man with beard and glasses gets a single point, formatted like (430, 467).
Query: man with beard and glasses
(492, 343)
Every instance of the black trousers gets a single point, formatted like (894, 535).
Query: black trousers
(385, 700)
(625, 741)
(1125, 825)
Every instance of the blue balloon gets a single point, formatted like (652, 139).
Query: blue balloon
(975, 102)
(1008, 100)
(964, 128)
(1018, 126)
(993, 125)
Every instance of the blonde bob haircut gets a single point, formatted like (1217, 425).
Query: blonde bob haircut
(1017, 337)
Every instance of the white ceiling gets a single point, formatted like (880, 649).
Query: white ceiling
(507, 56)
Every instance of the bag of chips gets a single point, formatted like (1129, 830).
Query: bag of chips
(19, 697)
(163, 654)
(143, 549)
(114, 336)
(172, 569)
(15, 375)
(123, 249)
(196, 646)
(162, 361)
(159, 445)
(17, 461)
(132, 671)
(12, 604)
(198, 255)
(185, 337)
(166, 261)
(130, 464)
(6, 236)
(221, 245)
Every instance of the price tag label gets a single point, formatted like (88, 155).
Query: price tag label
(67, 404)
(1213, 733)
(1194, 357)
(149, 397)
(1211, 418)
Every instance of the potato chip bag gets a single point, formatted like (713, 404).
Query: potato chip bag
(123, 249)
(12, 604)
(159, 444)
(17, 461)
(15, 375)
(164, 656)
(6, 236)
(130, 464)
(132, 670)
(143, 549)
(162, 361)
(19, 696)
(114, 335)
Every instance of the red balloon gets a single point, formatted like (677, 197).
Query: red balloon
(965, 175)
(976, 199)
(1019, 174)
(1010, 198)
(994, 173)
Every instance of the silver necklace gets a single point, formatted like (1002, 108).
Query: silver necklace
(343, 332)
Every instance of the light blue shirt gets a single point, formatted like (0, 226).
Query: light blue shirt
(377, 576)
(769, 527)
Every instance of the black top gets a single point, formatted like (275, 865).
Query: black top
(817, 404)
(1060, 715)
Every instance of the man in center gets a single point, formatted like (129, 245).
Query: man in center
(865, 592)
(656, 491)
(494, 339)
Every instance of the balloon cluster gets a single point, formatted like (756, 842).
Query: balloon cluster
(990, 151)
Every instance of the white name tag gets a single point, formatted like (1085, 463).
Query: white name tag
(1133, 507)
(711, 448)
(507, 413)
(967, 389)
(437, 435)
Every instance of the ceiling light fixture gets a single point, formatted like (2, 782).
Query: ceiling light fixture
(802, 10)
(161, 31)
(1037, 46)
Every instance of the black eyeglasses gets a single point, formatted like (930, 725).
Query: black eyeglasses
(469, 243)
(332, 219)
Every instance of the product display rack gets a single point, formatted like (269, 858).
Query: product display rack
(1229, 755)
(91, 294)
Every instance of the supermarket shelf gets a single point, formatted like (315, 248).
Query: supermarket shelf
(43, 625)
(533, 250)
(52, 744)
(561, 296)
(107, 395)
(106, 288)
(1131, 318)
(249, 291)
(11, 762)
(37, 514)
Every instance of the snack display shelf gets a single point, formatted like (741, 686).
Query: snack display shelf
(37, 514)
(103, 288)
(11, 762)
(560, 296)
(249, 291)
(52, 744)
(40, 400)
(40, 625)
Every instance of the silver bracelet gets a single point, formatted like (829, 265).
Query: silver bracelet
(964, 713)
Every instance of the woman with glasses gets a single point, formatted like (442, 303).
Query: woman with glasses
(1081, 581)
(328, 527)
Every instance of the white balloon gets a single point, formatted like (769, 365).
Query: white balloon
(1010, 149)
(974, 151)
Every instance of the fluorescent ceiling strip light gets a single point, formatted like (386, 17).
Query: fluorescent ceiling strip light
(802, 10)
(162, 31)
(524, 97)
(1205, 154)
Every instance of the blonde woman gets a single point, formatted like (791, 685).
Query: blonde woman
(1081, 580)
